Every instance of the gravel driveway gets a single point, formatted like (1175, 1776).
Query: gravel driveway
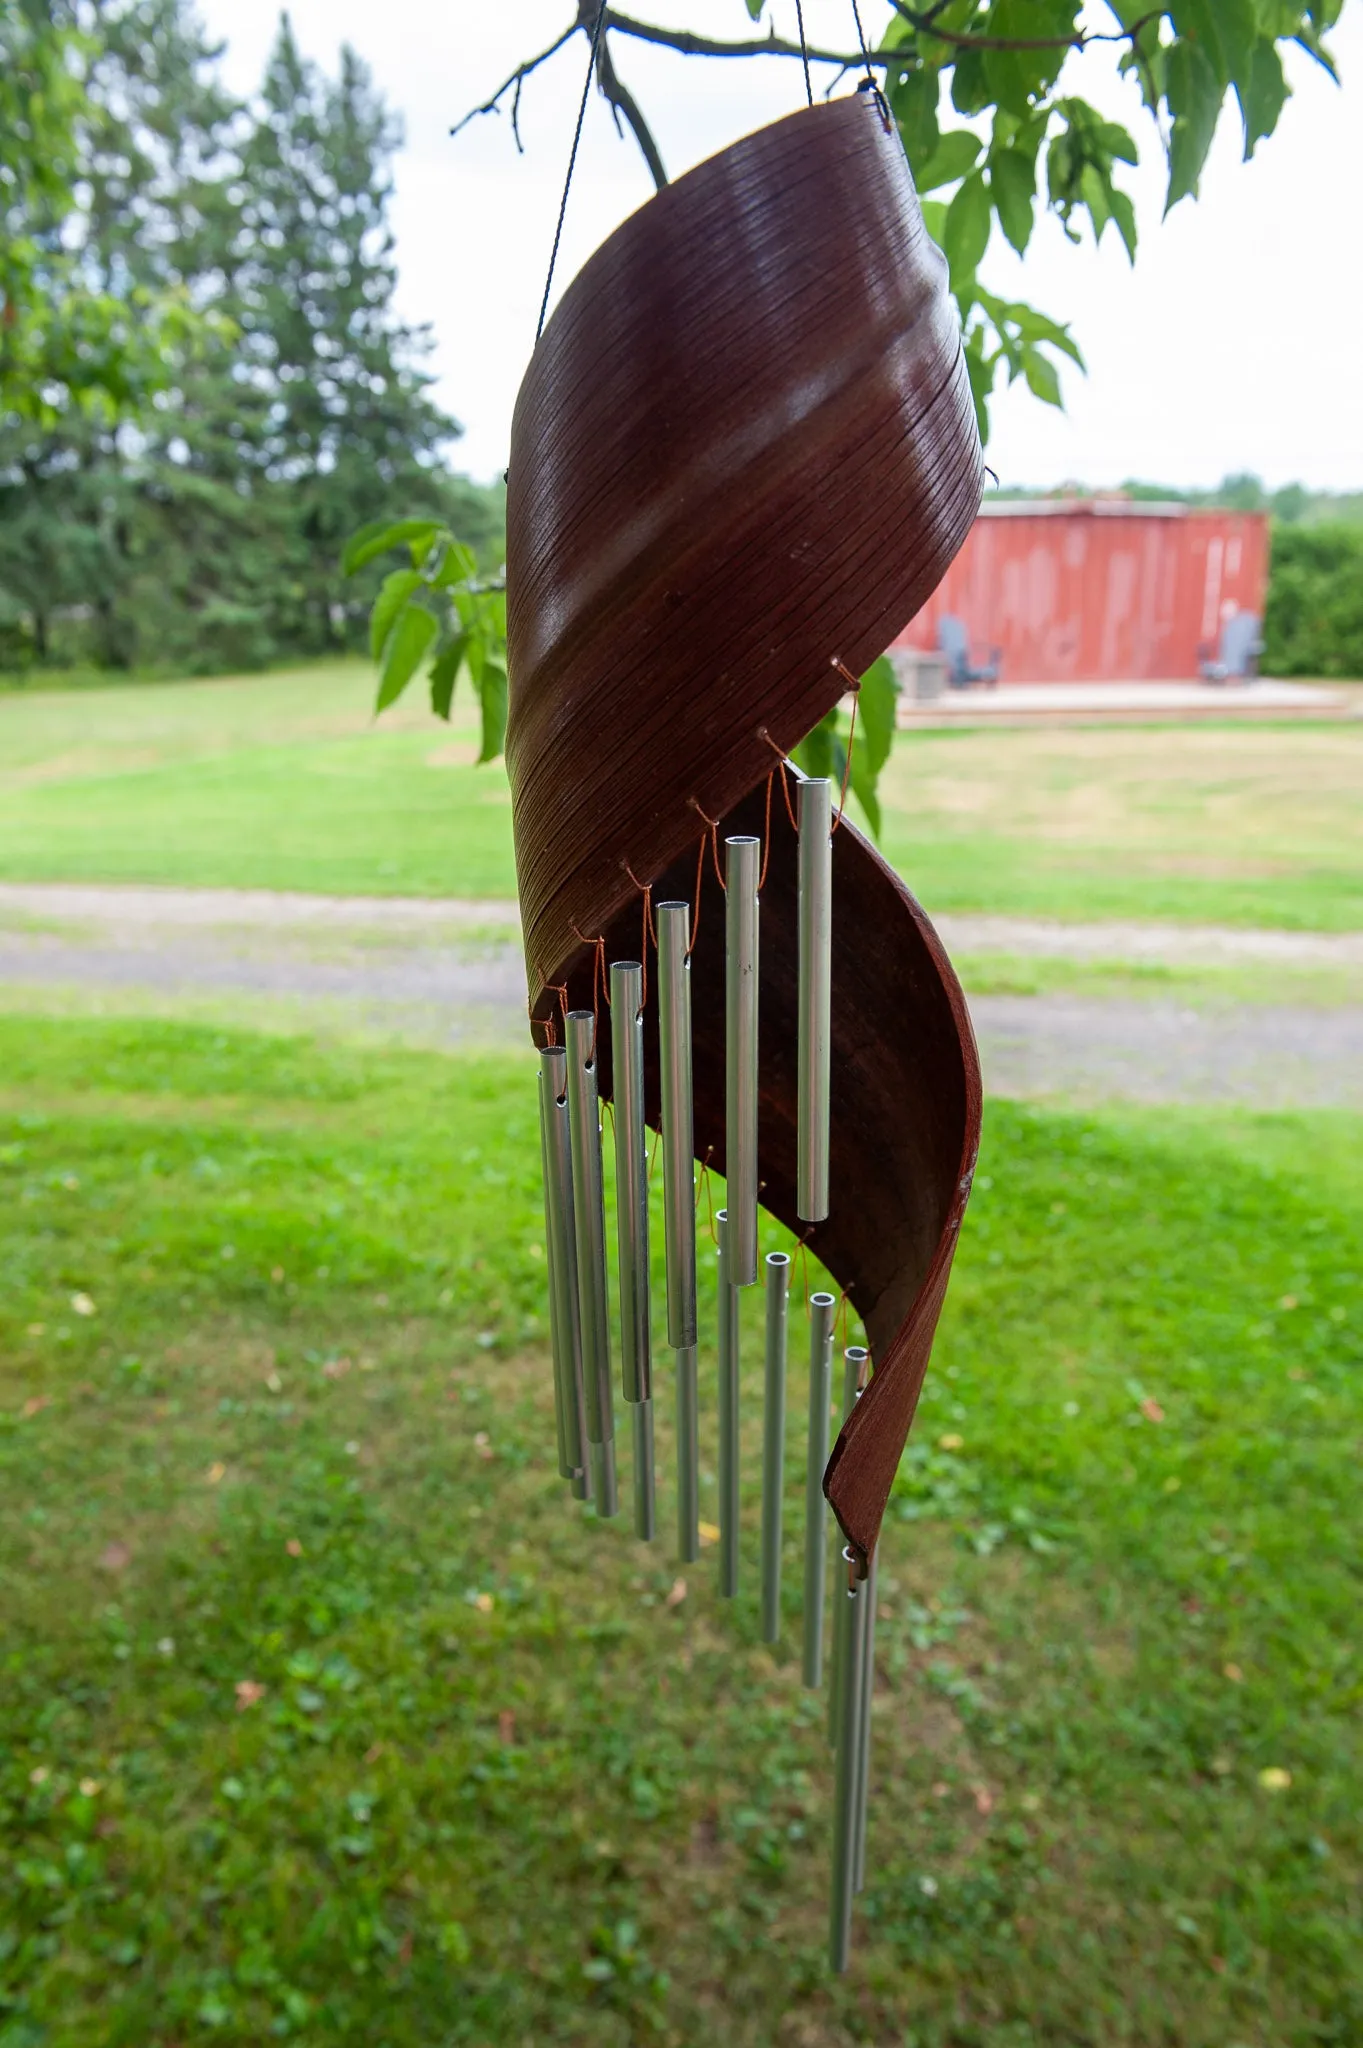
(450, 972)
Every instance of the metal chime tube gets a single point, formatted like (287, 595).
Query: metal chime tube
(728, 1413)
(673, 924)
(868, 1684)
(822, 1309)
(774, 1440)
(851, 1642)
(631, 1215)
(555, 1327)
(854, 1358)
(815, 815)
(740, 1107)
(562, 1249)
(589, 1216)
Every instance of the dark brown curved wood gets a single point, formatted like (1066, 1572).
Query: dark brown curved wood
(745, 448)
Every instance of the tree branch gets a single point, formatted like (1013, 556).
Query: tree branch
(516, 81)
(623, 102)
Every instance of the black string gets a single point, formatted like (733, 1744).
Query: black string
(804, 50)
(870, 85)
(572, 162)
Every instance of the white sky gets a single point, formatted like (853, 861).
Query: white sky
(1233, 344)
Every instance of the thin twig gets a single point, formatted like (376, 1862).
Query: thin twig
(516, 80)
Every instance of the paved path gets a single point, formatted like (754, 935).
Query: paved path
(450, 972)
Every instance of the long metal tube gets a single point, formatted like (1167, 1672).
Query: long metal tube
(851, 1650)
(822, 1309)
(631, 1177)
(556, 1331)
(854, 1358)
(563, 1259)
(815, 815)
(728, 1416)
(645, 1486)
(868, 1685)
(589, 1217)
(774, 1439)
(740, 1063)
(688, 1456)
(673, 921)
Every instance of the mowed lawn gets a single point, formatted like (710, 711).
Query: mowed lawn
(284, 781)
(326, 1717)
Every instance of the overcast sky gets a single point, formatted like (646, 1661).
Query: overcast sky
(1233, 344)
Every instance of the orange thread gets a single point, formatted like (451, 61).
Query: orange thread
(851, 736)
(695, 915)
(646, 890)
(763, 734)
(713, 823)
(766, 838)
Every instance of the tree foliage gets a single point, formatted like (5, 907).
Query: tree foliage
(981, 94)
(1313, 625)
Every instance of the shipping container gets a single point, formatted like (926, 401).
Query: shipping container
(1098, 590)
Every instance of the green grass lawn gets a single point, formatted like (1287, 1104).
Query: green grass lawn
(283, 781)
(324, 1716)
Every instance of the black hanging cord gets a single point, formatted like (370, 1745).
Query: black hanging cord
(804, 50)
(572, 162)
(869, 84)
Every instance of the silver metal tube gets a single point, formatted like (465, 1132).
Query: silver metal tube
(774, 1440)
(815, 814)
(868, 1685)
(854, 1357)
(563, 1259)
(589, 1217)
(728, 1416)
(688, 1456)
(645, 1496)
(556, 1334)
(631, 1177)
(673, 921)
(822, 1309)
(851, 1649)
(740, 1062)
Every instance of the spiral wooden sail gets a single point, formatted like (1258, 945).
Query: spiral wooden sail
(745, 449)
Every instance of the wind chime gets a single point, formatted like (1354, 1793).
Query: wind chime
(743, 455)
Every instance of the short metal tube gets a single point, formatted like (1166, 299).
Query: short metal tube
(673, 924)
(631, 1177)
(774, 1439)
(558, 1179)
(868, 1685)
(822, 1309)
(688, 1456)
(851, 1650)
(556, 1332)
(645, 1496)
(589, 1217)
(728, 1416)
(815, 816)
(740, 1063)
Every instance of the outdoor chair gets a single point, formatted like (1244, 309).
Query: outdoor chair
(951, 639)
(1241, 646)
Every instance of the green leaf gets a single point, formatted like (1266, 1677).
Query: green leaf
(380, 535)
(1225, 29)
(394, 592)
(954, 155)
(1265, 96)
(970, 92)
(1012, 183)
(935, 219)
(864, 790)
(1194, 94)
(444, 674)
(913, 102)
(1124, 213)
(814, 755)
(492, 700)
(407, 646)
(457, 564)
(1095, 189)
(877, 703)
(1042, 379)
(966, 235)
(755, 9)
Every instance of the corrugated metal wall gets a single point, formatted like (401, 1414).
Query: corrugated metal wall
(1099, 591)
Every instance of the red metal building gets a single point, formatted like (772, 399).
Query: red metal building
(1098, 590)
